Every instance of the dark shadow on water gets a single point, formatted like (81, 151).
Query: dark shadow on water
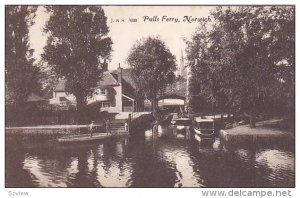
(15, 174)
(148, 169)
(84, 178)
(159, 158)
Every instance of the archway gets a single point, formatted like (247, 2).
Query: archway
(171, 103)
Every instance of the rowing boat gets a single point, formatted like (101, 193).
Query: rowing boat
(84, 138)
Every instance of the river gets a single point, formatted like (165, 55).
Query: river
(159, 160)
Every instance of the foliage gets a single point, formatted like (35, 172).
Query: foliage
(49, 79)
(246, 60)
(77, 43)
(22, 76)
(153, 67)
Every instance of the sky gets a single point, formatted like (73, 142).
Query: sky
(168, 22)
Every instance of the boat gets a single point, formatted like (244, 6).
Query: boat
(84, 138)
(181, 126)
(181, 121)
(204, 128)
(174, 116)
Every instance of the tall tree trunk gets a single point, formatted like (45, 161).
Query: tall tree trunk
(252, 119)
(252, 113)
(291, 117)
(80, 113)
(21, 117)
(154, 108)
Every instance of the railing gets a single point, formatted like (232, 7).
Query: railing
(101, 98)
(118, 126)
(135, 115)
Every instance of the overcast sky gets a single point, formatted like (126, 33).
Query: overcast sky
(125, 34)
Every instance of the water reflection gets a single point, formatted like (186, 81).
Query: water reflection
(46, 172)
(179, 160)
(281, 164)
(163, 157)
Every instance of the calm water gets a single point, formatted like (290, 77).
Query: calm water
(162, 160)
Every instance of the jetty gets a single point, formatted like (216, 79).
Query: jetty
(262, 132)
(84, 138)
(53, 132)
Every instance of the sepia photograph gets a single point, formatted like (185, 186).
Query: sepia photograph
(150, 96)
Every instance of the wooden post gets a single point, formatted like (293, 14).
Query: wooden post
(129, 118)
(129, 121)
(133, 105)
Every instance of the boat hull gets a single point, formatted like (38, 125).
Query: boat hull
(210, 135)
(181, 122)
(84, 138)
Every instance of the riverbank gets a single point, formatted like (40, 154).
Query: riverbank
(48, 129)
(264, 132)
(52, 132)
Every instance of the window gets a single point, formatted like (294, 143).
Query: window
(97, 91)
(106, 104)
(108, 91)
(102, 91)
(62, 99)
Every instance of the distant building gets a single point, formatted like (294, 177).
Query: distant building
(114, 93)
(182, 70)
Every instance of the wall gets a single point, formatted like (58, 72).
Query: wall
(55, 100)
(128, 109)
(116, 99)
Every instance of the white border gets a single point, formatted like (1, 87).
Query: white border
(127, 192)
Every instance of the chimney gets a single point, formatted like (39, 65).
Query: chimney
(105, 66)
(120, 74)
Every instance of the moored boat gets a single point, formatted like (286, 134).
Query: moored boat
(204, 128)
(84, 138)
(181, 122)
(181, 126)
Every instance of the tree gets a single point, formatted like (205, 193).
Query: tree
(153, 67)
(77, 43)
(245, 58)
(22, 76)
(210, 59)
(256, 31)
(49, 79)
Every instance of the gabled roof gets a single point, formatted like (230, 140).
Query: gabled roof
(128, 88)
(61, 86)
(128, 84)
(34, 98)
(126, 76)
(107, 80)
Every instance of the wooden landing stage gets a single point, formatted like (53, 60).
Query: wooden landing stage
(244, 133)
(84, 138)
